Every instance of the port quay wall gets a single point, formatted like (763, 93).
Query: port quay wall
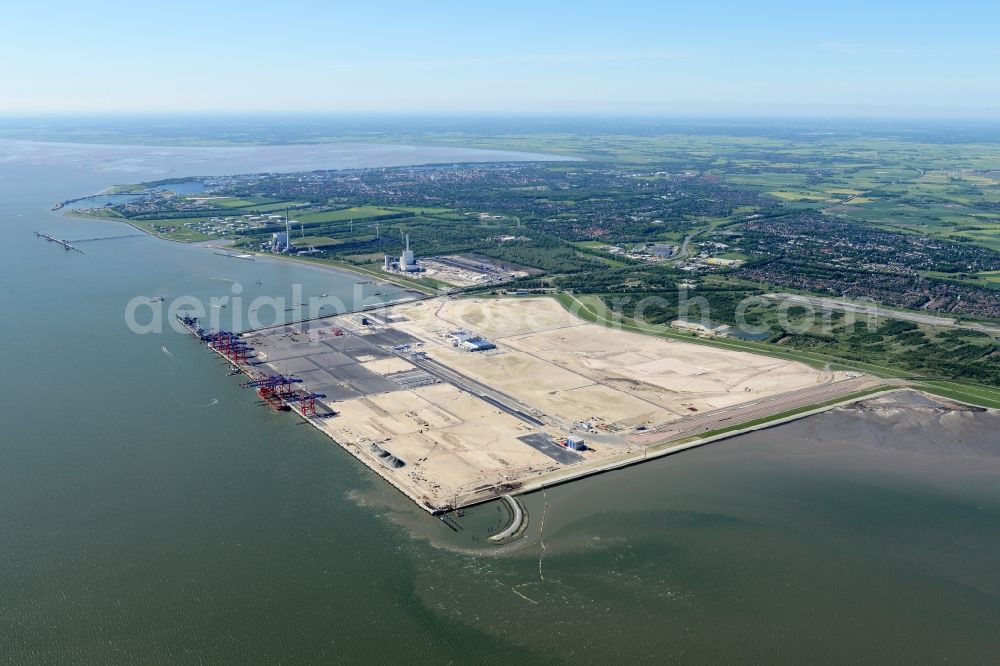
(627, 460)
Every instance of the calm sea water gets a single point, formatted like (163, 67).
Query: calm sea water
(151, 512)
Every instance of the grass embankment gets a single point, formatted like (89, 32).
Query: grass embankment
(975, 394)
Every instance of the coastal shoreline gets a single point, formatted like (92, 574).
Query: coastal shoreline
(339, 269)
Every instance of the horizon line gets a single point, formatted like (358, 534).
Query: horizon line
(492, 115)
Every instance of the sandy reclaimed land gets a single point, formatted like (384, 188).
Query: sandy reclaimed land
(387, 366)
(495, 317)
(452, 442)
(551, 375)
(575, 371)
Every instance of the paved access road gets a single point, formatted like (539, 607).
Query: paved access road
(751, 411)
(483, 392)
(875, 310)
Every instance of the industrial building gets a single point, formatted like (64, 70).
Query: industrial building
(279, 242)
(407, 262)
(477, 344)
(658, 250)
(469, 341)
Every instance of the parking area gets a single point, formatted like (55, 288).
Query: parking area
(545, 444)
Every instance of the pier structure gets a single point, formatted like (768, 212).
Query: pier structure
(66, 244)
(69, 245)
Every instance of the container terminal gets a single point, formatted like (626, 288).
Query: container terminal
(461, 401)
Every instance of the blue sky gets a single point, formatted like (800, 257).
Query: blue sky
(886, 58)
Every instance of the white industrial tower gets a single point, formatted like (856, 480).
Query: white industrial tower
(407, 258)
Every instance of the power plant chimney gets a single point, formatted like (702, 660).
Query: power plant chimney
(407, 262)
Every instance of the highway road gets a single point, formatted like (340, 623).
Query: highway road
(875, 310)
